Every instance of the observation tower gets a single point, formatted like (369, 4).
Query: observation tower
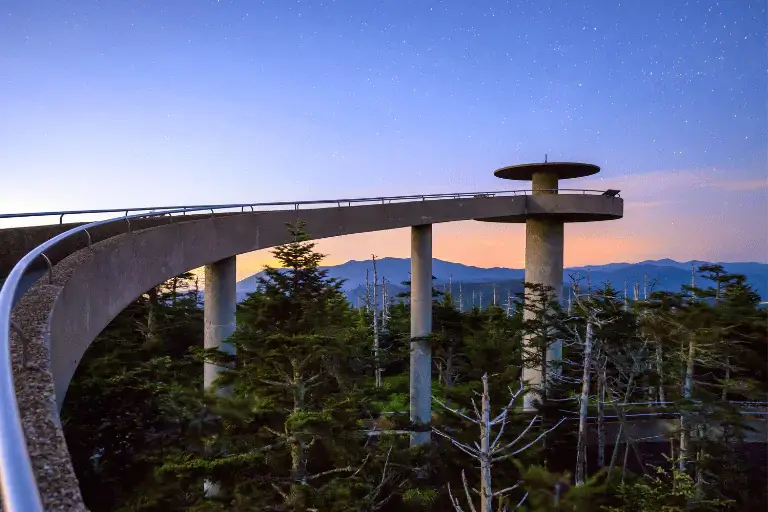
(548, 209)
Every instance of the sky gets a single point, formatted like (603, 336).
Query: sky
(127, 103)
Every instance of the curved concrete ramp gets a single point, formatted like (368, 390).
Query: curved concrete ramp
(91, 286)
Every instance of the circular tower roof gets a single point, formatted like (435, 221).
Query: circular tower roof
(563, 170)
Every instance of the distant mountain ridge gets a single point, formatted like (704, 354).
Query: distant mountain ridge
(665, 274)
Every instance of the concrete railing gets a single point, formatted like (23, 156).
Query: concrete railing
(26, 349)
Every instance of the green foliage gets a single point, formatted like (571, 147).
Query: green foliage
(420, 498)
(291, 434)
(549, 491)
(665, 490)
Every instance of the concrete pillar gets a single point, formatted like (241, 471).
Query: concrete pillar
(544, 183)
(219, 311)
(219, 323)
(544, 241)
(421, 325)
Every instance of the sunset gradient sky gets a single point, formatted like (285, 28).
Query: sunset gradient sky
(124, 103)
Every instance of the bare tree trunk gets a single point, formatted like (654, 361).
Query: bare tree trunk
(488, 451)
(699, 485)
(298, 443)
(616, 446)
(626, 457)
(544, 376)
(581, 447)
(626, 298)
(672, 449)
(486, 490)
(376, 355)
(384, 305)
(601, 416)
(693, 275)
(622, 421)
(645, 287)
(660, 371)
(367, 292)
(685, 433)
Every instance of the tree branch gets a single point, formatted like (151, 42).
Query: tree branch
(503, 457)
(454, 411)
(507, 489)
(463, 447)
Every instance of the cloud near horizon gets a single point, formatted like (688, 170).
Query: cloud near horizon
(684, 215)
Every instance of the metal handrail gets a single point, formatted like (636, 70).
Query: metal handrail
(18, 486)
(151, 209)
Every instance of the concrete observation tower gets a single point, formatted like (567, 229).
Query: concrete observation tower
(546, 214)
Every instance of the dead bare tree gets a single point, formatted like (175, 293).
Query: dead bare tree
(590, 313)
(601, 384)
(581, 445)
(629, 362)
(491, 448)
(376, 354)
(374, 500)
(384, 305)
(367, 292)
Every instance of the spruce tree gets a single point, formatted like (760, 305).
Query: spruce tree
(297, 383)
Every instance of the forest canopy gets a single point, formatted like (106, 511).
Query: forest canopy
(311, 412)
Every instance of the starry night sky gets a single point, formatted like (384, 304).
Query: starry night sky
(115, 103)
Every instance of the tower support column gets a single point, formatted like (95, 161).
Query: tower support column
(219, 323)
(219, 312)
(421, 327)
(544, 246)
(544, 241)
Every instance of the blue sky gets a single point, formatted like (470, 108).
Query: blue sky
(117, 103)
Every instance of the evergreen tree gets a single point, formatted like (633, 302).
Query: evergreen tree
(134, 396)
(299, 372)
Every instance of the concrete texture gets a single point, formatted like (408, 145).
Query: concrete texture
(16, 242)
(543, 183)
(543, 265)
(566, 207)
(91, 286)
(544, 245)
(219, 309)
(563, 170)
(219, 312)
(421, 326)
